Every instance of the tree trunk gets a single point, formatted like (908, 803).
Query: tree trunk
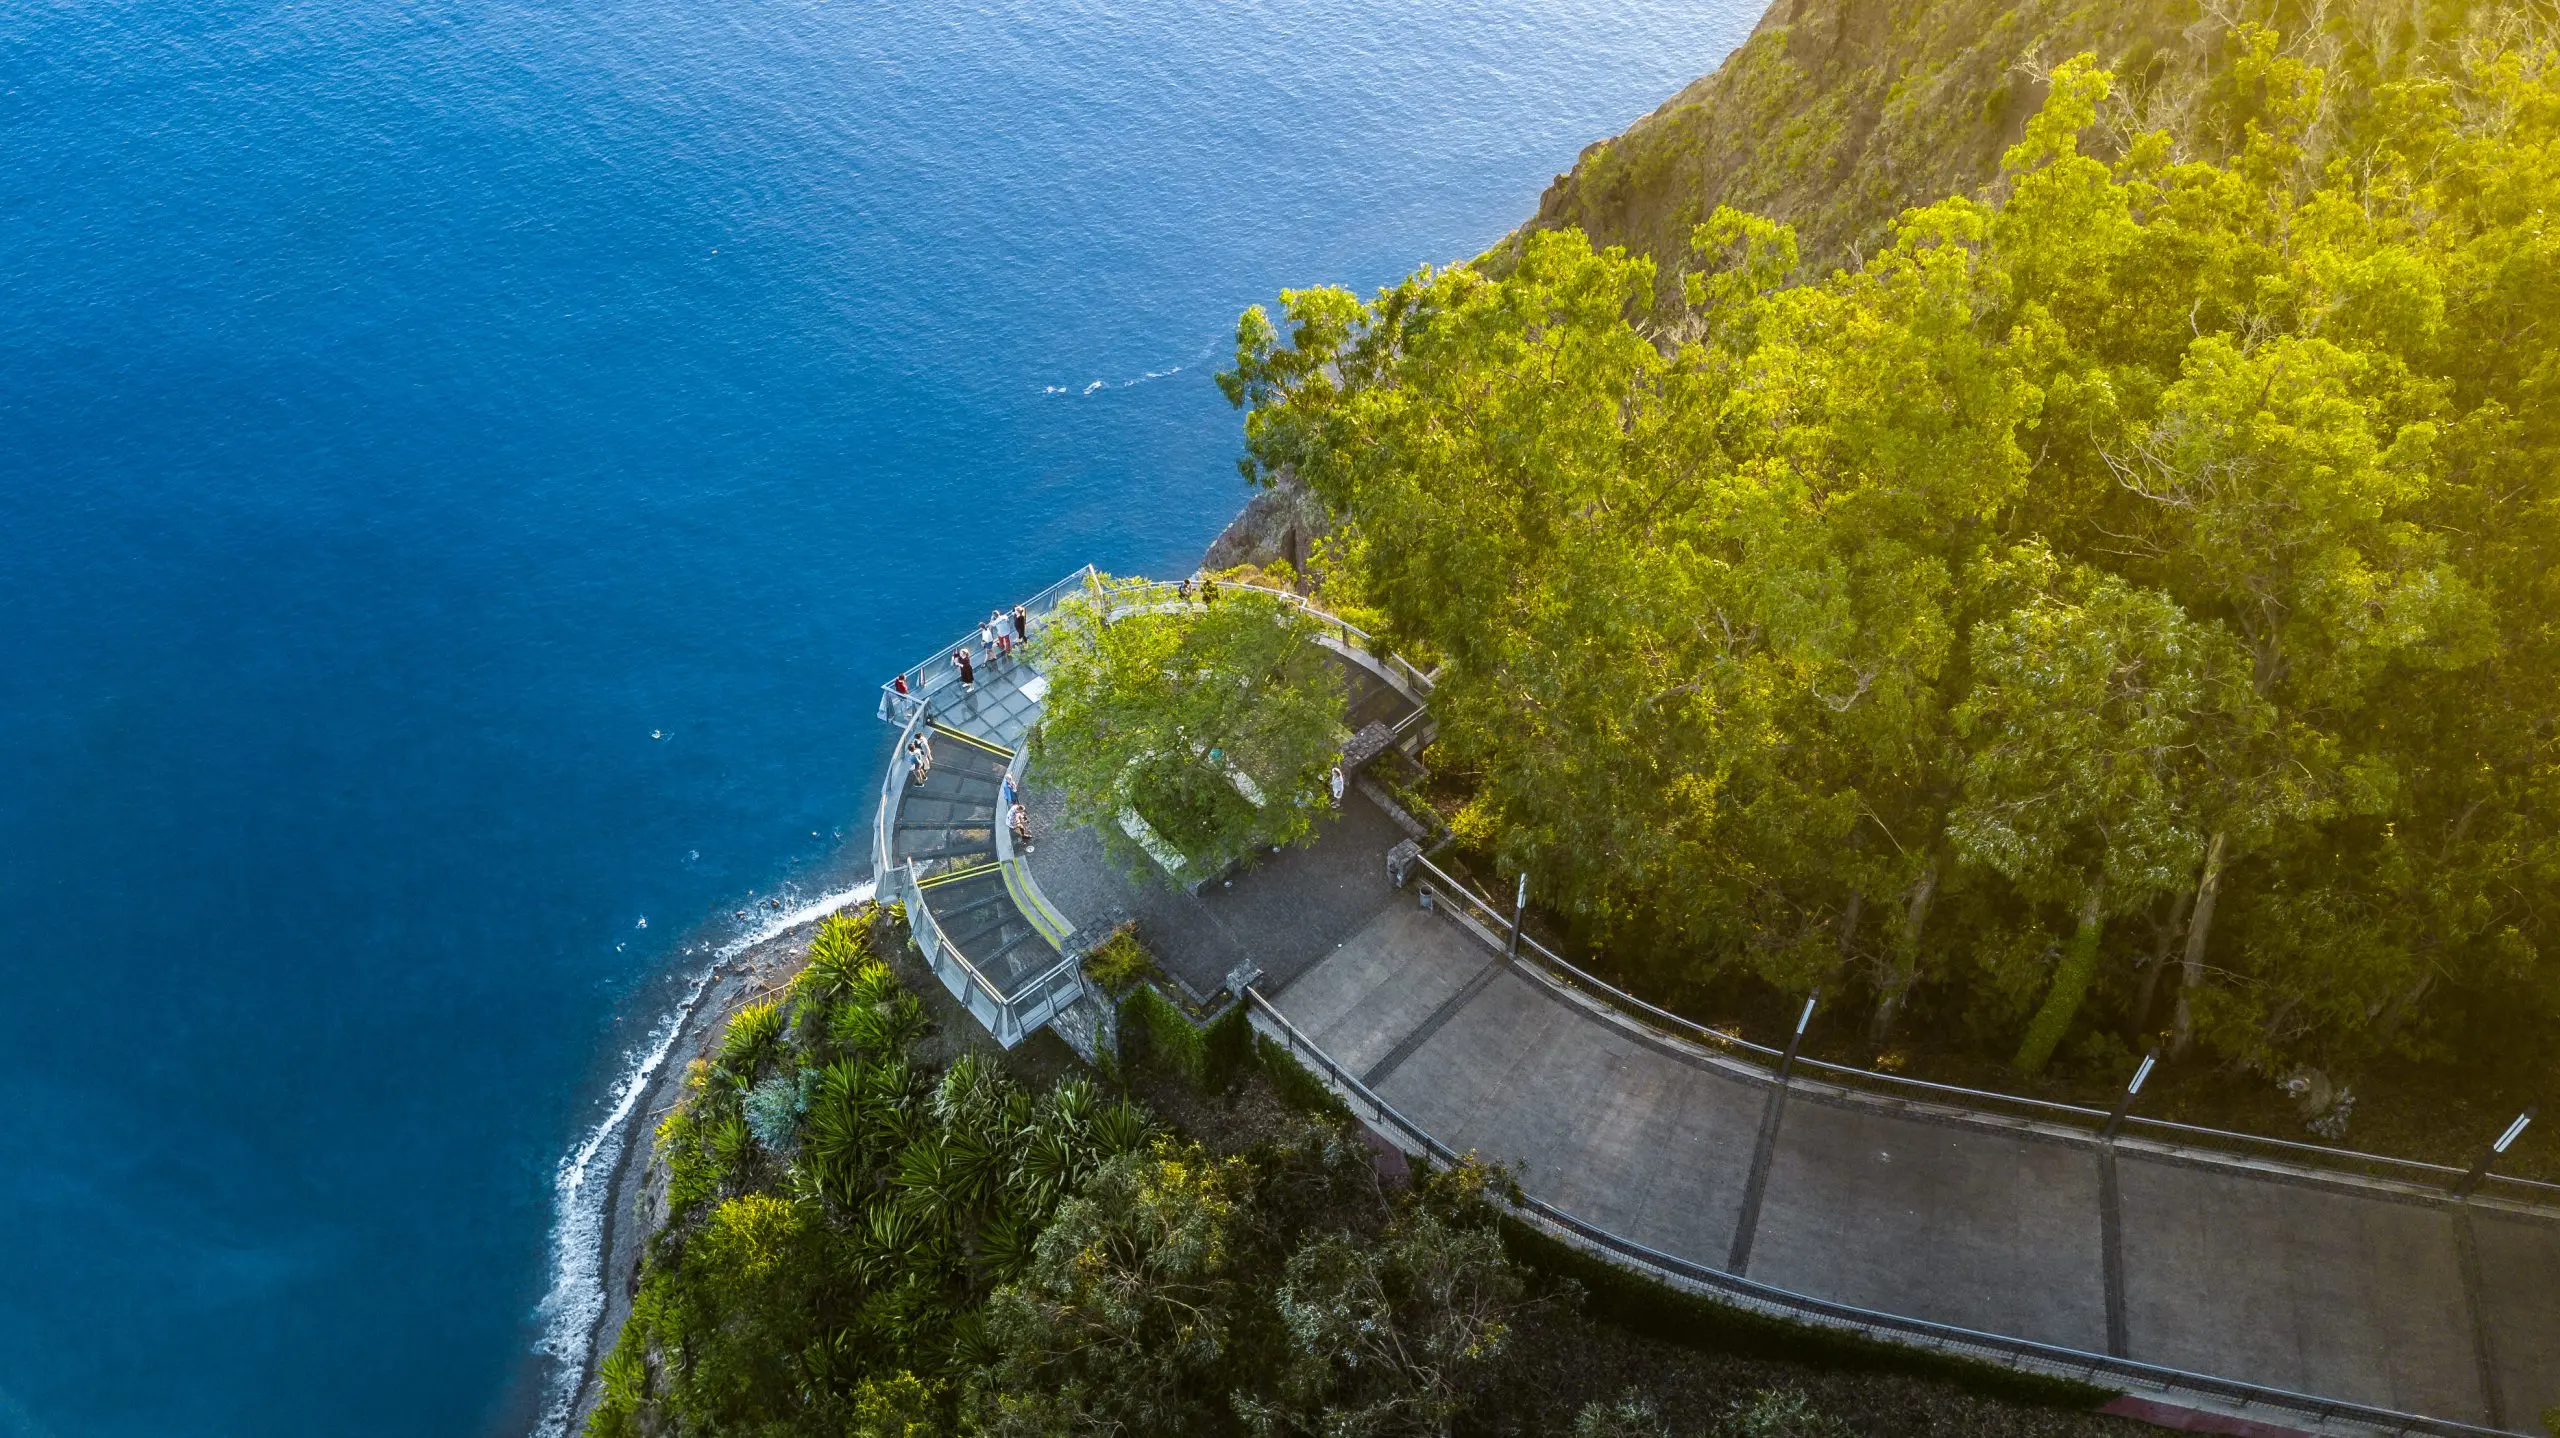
(2182, 1030)
(2386, 1026)
(2070, 985)
(2141, 1018)
(1905, 963)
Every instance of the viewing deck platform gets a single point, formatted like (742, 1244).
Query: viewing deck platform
(943, 846)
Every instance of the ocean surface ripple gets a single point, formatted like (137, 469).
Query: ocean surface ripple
(465, 467)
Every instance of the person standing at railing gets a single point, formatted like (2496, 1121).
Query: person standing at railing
(1020, 820)
(899, 684)
(1021, 625)
(919, 759)
(968, 671)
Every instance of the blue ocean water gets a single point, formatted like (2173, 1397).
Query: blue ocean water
(464, 467)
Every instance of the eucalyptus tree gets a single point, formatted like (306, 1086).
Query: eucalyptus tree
(1213, 721)
(1728, 585)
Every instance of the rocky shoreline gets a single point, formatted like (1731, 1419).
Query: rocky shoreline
(637, 1194)
(1279, 523)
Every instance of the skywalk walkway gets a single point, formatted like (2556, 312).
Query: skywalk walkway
(942, 846)
(2252, 1276)
(2385, 1294)
(980, 913)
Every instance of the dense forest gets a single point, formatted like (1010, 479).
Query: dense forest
(877, 1227)
(862, 1241)
(2117, 603)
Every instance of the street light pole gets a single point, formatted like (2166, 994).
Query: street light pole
(2123, 1105)
(2505, 1141)
(1787, 1064)
(1519, 906)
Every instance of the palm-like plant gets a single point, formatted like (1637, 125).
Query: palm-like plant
(754, 1039)
(731, 1144)
(883, 1026)
(1005, 1242)
(838, 954)
(1122, 1128)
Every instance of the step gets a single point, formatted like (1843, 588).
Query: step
(965, 817)
(946, 913)
(968, 743)
(1031, 951)
(982, 847)
(956, 789)
(986, 937)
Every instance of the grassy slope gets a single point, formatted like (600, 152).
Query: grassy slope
(1838, 114)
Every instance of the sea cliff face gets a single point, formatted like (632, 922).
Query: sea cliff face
(1836, 115)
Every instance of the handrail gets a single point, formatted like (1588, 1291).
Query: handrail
(1872, 1322)
(893, 788)
(942, 941)
(1136, 589)
(2417, 1171)
(935, 673)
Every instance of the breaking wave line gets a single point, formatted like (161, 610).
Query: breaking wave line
(1099, 385)
(581, 1191)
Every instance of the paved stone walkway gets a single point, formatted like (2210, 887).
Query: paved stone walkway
(2305, 1283)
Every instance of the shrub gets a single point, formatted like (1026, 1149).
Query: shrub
(1782, 1413)
(774, 1107)
(1632, 1416)
(1120, 962)
(754, 1040)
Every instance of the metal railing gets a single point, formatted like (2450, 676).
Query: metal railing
(1493, 926)
(1399, 673)
(2020, 1353)
(893, 788)
(935, 674)
(1010, 1018)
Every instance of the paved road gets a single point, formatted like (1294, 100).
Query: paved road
(2315, 1285)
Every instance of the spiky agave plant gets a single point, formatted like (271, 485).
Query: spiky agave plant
(1005, 1241)
(754, 1039)
(838, 953)
(731, 1145)
(887, 1025)
(1122, 1128)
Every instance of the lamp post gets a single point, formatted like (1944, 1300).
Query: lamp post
(1787, 1064)
(2505, 1141)
(1519, 906)
(2123, 1105)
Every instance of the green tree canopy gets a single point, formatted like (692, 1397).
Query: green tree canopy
(2169, 537)
(1213, 722)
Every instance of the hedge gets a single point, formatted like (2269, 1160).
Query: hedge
(1209, 1055)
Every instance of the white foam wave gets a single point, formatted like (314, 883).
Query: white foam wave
(583, 1188)
(1096, 386)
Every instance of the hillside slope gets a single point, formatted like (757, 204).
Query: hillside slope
(1837, 114)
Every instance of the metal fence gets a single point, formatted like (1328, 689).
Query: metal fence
(1362, 646)
(936, 673)
(1010, 1017)
(1494, 927)
(2054, 1360)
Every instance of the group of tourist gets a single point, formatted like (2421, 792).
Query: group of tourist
(1001, 638)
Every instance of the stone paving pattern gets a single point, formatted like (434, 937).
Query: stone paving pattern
(2321, 1287)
